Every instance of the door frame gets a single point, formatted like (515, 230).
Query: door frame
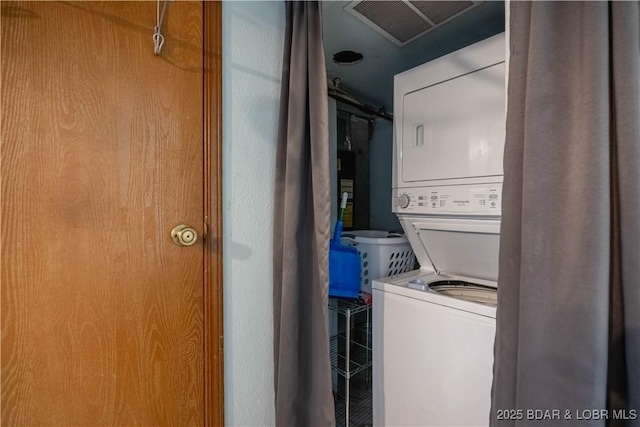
(212, 140)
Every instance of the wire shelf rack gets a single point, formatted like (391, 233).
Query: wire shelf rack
(351, 354)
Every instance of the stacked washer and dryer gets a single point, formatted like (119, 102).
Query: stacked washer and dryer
(433, 328)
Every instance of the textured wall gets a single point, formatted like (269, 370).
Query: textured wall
(253, 34)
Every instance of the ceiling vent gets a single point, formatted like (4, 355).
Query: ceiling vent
(404, 21)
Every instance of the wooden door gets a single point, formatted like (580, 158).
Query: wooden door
(102, 155)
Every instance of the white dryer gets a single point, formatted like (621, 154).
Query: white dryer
(434, 328)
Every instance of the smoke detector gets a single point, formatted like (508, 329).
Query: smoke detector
(403, 21)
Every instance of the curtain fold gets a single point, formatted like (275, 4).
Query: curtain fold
(303, 392)
(568, 322)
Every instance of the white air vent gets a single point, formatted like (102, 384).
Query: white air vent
(404, 21)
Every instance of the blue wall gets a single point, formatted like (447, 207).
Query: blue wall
(380, 162)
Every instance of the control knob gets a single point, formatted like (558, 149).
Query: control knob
(404, 200)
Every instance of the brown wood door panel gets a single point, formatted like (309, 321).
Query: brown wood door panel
(102, 155)
(213, 300)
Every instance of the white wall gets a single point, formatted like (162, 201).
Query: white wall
(252, 39)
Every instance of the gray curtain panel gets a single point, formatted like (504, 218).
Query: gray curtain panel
(568, 323)
(302, 228)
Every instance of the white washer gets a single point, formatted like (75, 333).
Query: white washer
(433, 332)
(434, 328)
(448, 381)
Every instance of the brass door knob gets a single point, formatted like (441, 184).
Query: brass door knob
(183, 235)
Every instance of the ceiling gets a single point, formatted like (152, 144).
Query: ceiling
(371, 80)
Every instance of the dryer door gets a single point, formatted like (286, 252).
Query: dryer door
(455, 129)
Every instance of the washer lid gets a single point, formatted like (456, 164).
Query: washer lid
(457, 247)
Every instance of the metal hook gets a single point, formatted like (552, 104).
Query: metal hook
(158, 39)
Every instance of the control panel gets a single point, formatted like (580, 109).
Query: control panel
(455, 199)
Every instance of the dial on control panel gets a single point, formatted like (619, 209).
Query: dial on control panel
(404, 200)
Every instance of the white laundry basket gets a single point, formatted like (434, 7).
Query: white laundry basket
(382, 254)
